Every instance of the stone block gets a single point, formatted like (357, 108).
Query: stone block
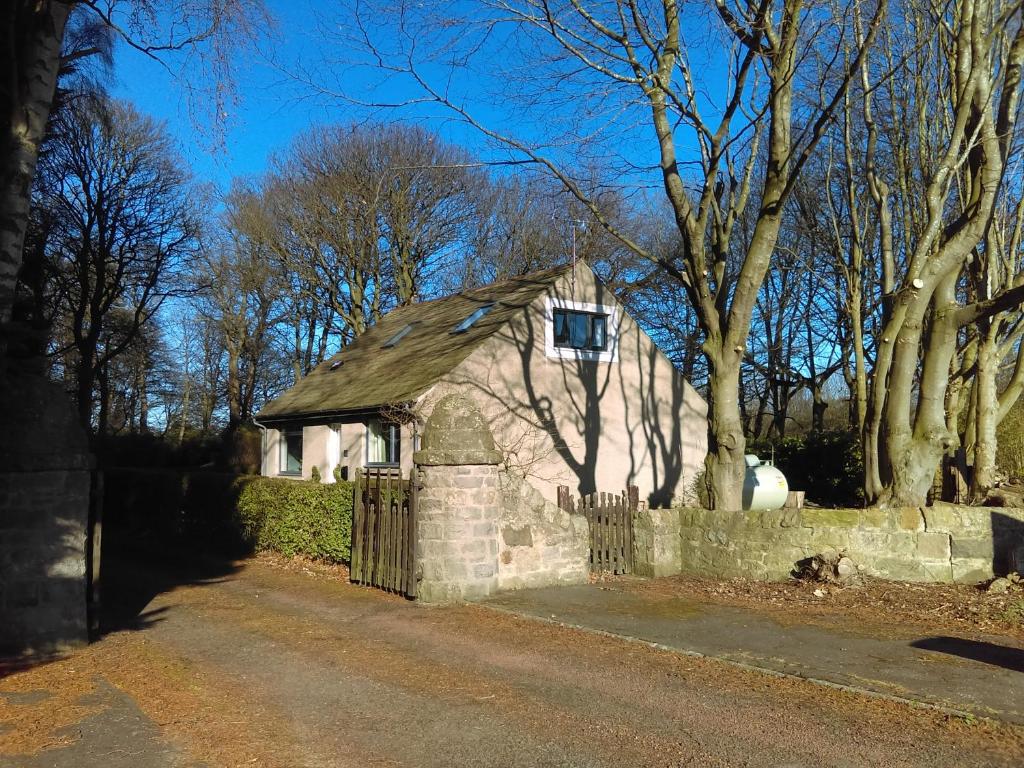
(463, 481)
(517, 537)
(874, 518)
(971, 571)
(946, 518)
(473, 548)
(780, 518)
(933, 546)
(866, 543)
(970, 548)
(830, 518)
(911, 519)
(484, 570)
(430, 530)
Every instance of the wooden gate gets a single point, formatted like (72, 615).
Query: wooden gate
(384, 531)
(611, 527)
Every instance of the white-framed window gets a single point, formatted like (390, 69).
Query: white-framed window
(383, 442)
(291, 452)
(579, 330)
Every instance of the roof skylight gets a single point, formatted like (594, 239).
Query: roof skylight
(397, 337)
(466, 324)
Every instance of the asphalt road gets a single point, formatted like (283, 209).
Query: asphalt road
(266, 667)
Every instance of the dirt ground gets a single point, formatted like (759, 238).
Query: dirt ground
(280, 663)
(884, 606)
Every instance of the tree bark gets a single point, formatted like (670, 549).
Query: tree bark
(726, 444)
(986, 414)
(30, 54)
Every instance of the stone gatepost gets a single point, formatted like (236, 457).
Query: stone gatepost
(459, 504)
(44, 504)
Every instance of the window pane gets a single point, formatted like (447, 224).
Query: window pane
(383, 442)
(291, 453)
(580, 330)
(600, 328)
(561, 328)
(375, 444)
(395, 444)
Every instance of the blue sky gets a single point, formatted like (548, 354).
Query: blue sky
(267, 115)
(272, 108)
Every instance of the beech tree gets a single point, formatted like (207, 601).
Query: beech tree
(206, 33)
(121, 224)
(726, 136)
(931, 148)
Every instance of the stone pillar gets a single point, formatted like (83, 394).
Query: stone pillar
(459, 504)
(657, 548)
(44, 504)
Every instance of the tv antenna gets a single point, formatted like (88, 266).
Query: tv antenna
(574, 224)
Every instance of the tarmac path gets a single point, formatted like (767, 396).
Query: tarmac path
(269, 667)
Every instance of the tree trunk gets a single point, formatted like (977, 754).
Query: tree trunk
(986, 414)
(186, 395)
(103, 415)
(234, 391)
(725, 464)
(31, 60)
(818, 407)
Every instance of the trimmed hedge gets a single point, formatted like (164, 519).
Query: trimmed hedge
(228, 514)
(297, 517)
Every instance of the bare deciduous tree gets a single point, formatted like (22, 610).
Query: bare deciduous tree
(121, 224)
(735, 139)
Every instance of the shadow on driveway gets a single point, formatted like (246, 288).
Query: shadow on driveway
(976, 650)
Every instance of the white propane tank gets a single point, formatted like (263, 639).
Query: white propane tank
(764, 486)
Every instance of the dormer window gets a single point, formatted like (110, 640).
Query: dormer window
(466, 324)
(580, 330)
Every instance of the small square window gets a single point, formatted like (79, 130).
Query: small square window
(580, 330)
(291, 452)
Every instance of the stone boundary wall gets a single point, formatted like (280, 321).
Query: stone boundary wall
(45, 477)
(539, 544)
(944, 543)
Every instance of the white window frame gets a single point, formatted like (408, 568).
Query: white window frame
(369, 437)
(608, 355)
(282, 459)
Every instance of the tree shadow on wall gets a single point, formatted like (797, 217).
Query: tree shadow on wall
(662, 433)
(573, 403)
(518, 383)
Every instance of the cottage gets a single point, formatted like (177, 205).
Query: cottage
(575, 392)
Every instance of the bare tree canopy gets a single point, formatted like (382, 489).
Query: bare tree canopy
(117, 225)
(710, 91)
(209, 34)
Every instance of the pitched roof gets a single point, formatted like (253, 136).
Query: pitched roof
(371, 374)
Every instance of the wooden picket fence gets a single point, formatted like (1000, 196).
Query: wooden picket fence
(611, 526)
(384, 531)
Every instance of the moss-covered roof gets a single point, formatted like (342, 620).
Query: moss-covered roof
(371, 375)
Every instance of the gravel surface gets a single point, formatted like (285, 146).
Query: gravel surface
(288, 666)
(876, 606)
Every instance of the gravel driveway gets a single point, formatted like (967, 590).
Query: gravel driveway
(265, 666)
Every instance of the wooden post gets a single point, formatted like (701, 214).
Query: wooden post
(358, 526)
(410, 563)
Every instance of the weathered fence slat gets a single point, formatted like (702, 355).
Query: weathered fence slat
(611, 526)
(384, 530)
